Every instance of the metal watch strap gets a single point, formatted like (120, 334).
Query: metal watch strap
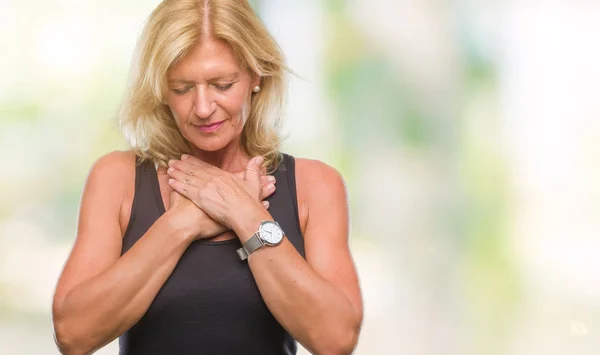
(251, 245)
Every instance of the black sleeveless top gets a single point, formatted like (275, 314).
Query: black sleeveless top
(210, 304)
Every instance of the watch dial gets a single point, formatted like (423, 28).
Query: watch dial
(271, 233)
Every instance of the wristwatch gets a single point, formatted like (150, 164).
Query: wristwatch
(269, 233)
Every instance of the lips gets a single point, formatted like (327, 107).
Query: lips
(210, 127)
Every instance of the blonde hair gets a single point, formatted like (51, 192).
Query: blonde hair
(173, 29)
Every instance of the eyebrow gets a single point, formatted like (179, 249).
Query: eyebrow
(216, 78)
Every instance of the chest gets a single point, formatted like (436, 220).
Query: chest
(209, 284)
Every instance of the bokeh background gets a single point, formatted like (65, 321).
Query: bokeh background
(468, 133)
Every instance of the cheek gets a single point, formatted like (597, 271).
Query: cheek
(176, 116)
(240, 107)
(179, 109)
(245, 112)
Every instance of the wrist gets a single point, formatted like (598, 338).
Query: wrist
(247, 224)
(210, 228)
(177, 227)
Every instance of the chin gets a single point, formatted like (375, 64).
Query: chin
(211, 144)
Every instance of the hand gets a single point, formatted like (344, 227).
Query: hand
(268, 186)
(187, 216)
(194, 219)
(222, 195)
(267, 182)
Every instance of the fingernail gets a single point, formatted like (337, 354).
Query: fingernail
(184, 156)
(259, 160)
(271, 179)
(270, 187)
(171, 162)
(170, 170)
(171, 181)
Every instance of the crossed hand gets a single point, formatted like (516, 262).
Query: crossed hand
(214, 193)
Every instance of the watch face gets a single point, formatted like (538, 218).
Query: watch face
(271, 232)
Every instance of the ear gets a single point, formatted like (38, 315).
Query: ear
(255, 80)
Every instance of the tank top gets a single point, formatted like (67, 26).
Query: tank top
(210, 304)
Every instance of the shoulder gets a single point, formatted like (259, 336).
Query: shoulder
(316, 171)
(111, 184)
(112, 171)
(116, 162)
(318, 185)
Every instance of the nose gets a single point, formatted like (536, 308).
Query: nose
(204, 105)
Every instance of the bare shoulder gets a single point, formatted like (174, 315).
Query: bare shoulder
(316, 177)
(113, 176)
(112, 172)
(116, 164)
(319, 187)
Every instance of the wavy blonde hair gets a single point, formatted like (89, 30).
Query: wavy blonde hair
(173, 29)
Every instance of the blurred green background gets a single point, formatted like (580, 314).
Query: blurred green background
(468, 133)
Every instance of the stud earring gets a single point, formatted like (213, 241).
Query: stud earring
(256, 88)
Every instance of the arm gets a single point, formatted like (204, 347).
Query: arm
(101, 294)
(318, 299)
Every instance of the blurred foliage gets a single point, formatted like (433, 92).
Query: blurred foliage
(373, 106)
(28, 111)
(492, 288)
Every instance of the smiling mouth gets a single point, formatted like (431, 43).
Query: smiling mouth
(210, 128)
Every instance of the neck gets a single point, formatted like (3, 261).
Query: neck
(231, 158)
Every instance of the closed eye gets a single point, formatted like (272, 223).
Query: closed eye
(183, 90)
(224, 87)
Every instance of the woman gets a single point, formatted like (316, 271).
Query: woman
(175, 252)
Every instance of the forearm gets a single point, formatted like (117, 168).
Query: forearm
(100, 309)
(315, 312)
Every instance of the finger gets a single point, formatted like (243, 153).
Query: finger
(266, 204)
(240, 174)
(192, 160)
(201, 172)
(203, 169)
(253, 169)
(267, 190)
(183, 188)
(266, 180)
(182, 177)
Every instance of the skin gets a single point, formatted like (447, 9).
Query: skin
(206, 87)
(215, 192)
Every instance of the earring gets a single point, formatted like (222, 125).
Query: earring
(256, 88)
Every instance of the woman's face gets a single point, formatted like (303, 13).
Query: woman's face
(209, 95)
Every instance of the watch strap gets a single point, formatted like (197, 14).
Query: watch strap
(250, 246)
